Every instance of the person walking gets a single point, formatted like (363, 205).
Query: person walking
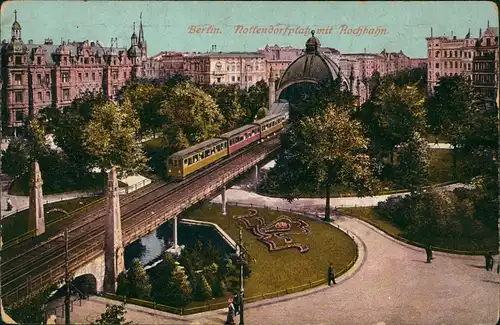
(489, 261)
(9, 204)
(230, 312)
(428, 252)
(236, 303)
(331, 275)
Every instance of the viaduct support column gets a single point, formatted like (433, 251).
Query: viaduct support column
(224, 201)
(175, 233)
(36, 221)
(256, 176)
(113, 249)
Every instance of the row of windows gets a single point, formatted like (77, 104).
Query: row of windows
(243, 137)
(65, 76)
(455, 54)
(205, 154)
(484, 78)
(40, 97)
(270, 124)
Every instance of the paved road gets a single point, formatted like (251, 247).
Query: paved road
(393, 286)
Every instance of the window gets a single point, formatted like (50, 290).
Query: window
(66, 94)
(239, 78)
(86, 60)
(47, 78)
(445, 64)
(468, 66)
(115, 75)
(47, 95)
(437, 54)
(232, 67)
(19, 96)
(79, 76)
(39, 78)
(246, 79)
(488, 42)
(65, 76)
(233, 78)
(456, 64)
(19, 116)
(38, 60)
(18, 79)
(86, 76)
(40, 98)
(437, 65)
(93, 76)
(437, 75)
(65, 60)
(218, 80)
(456, 54)
(19, 60)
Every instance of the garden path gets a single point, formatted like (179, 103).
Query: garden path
(393, 286)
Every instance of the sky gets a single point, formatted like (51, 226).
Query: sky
(184, 25)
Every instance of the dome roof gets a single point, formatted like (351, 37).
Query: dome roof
(313, 67)
(16, 25)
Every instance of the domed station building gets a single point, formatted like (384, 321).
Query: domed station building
(306, 71)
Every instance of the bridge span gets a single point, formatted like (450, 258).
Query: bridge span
(142, 213)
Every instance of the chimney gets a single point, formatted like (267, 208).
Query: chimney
(30, 41)
(365, 50)
(431, 31)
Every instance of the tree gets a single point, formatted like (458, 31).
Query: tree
(324, 151)
(201, 288)
(109, 137)
(392, 115)
(190, 114)
(450, 109)
(145, 99)
(162, 279)
(181, 291)
(114, 315)
(255, 98)
(227, 98)
(31, 309)
(138, 281)
(414, 162)
(16, 159)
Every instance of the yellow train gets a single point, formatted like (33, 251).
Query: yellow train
(189, 160)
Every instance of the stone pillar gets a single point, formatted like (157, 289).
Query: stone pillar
(272, 89)
(36, 220)
(224, 201)
(175, 233)
(113, 246)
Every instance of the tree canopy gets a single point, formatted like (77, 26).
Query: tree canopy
(323, 151)
(191, 116)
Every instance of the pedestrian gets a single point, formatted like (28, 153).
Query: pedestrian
(9, 204)
(230, 312)
(236, 303)
(331, 275)
(489, 261)
(428, 252)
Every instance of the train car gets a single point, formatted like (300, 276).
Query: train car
(241, 137)
(270, 124)
(189, 160)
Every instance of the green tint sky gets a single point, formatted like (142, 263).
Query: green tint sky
(167, 23)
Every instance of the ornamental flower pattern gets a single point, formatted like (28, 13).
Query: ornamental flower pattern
(281, 228)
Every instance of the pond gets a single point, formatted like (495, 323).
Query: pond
(149, 249)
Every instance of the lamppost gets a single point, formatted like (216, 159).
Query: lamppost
(241, 260)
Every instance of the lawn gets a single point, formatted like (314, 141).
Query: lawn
(278, 270)
(17, 224)
(368, 214)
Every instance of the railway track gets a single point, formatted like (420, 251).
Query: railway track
(138, 211)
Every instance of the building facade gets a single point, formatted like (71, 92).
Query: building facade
(476, 59)
(229, 68)
(35, 76)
